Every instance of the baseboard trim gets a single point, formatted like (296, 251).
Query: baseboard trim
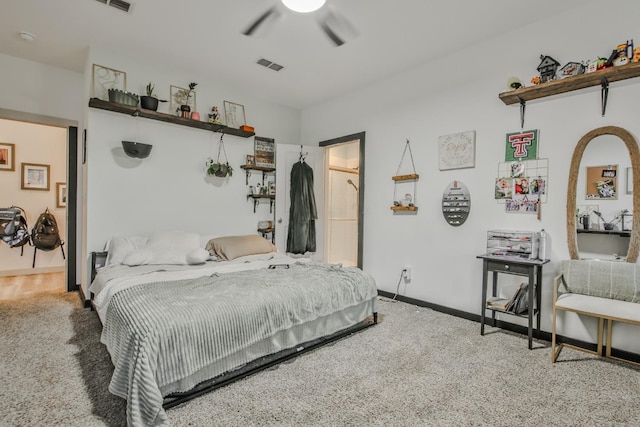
(512, 327)
(30, 271)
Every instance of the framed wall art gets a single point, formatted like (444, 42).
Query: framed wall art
(181, 96)
(7, 156)
(457, 151)
(602, 182)
(629, 181)
(264, 151)
(105, 78)
(522, 145)
(61, 194)
(35, 177)
(234, 114)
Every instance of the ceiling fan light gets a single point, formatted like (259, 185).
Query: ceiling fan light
(303, 6)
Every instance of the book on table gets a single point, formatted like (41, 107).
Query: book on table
(517, 303)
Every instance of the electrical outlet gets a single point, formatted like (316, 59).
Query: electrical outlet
(406, 272)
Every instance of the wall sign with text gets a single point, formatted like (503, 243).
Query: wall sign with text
(457, 151)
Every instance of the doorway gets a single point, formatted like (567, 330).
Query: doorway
(344, 199)
(59, 182)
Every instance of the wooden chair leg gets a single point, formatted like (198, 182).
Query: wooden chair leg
(554, 355)
(600, 335)
(609, 333)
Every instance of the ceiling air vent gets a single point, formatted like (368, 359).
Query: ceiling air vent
(269, 64)
(122, 5)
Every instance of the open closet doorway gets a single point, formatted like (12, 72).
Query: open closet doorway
(49, 144)
(344, 199)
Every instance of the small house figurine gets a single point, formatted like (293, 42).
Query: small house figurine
(571, 69)
(547, 68)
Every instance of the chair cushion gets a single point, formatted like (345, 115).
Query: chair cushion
(600, 307)
(606, 279)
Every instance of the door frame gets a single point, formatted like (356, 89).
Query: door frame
(360, 136)
(72, 183)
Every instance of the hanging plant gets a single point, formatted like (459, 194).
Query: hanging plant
(219, 167)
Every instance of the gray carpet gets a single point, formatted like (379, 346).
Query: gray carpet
(416, 368)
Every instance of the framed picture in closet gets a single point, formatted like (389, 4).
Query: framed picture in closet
(61, 194)
(7, 157)
(35, 177)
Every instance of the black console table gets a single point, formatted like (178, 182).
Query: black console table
(531, 268)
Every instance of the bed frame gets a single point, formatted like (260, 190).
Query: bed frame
(98, 259)
(264, 363)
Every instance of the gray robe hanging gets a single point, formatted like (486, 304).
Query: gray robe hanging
(301, 237)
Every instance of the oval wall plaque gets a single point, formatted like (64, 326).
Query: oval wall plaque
(456, 203)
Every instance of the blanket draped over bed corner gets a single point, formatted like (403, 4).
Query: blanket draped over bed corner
(163, 335)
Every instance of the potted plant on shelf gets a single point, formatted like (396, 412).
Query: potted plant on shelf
(150, 101)
(610, 225)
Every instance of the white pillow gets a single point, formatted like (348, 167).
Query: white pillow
(197, 256)
(119, 247)
(138, 257)
(172, 247)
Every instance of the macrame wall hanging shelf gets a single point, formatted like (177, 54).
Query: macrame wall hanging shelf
(407, 201)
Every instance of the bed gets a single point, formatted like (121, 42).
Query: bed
(182, 317)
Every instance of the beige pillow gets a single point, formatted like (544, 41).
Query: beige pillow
(232, 247)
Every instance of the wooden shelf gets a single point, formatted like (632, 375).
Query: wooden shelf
(257, 197)
(405, 177)
(258, 168)
(621, 233)
(569, 84)
(168, 118)
(404, 208)
(264, 169)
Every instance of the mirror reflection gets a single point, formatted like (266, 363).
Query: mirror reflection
(604, 201)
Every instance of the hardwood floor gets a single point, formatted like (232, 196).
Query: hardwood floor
(15, 287)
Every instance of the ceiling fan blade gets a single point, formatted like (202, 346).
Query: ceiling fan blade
(273, 11)
(337, 28)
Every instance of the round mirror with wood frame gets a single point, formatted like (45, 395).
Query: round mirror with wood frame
(634, 154)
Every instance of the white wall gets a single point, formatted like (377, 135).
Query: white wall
(36, 144)
(459, 93)
(40, 93)
(170, 190)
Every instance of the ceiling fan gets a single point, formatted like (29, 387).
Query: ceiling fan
(336, 27)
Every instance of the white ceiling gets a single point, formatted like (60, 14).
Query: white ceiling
(206, 35)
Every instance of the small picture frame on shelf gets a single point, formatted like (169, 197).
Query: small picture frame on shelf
(35, 177)
(61, 194)
(105, 78)
(7, 156)
(234, 114)
(181, 96)
(251, 160)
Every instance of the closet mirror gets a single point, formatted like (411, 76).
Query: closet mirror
(597, 154)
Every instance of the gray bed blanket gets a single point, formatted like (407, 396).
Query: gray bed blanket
(165, 333)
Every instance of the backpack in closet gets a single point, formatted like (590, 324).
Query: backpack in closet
(44, 234)
(13, 227)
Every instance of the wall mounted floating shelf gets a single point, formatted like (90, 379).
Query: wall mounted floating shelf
(569, 84)
(168, 118)
(257, 197)
(248, 168)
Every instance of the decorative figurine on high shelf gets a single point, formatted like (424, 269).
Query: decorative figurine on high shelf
(214, 116)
